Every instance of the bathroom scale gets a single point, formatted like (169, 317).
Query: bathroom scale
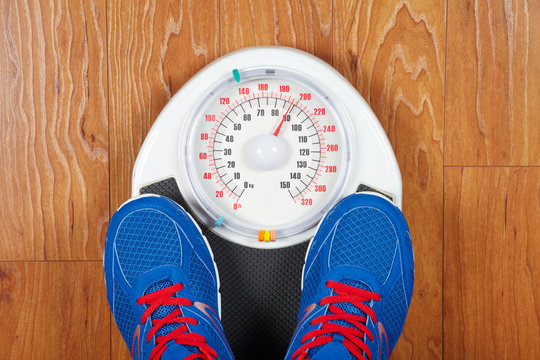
(257, 147)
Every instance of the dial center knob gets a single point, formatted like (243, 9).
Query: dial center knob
(266, 152)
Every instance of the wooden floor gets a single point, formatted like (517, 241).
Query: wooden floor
(455, 84)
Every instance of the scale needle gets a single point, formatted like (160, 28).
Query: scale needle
(276, 133)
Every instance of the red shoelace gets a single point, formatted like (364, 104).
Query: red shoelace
(180, 335)
(352, 336)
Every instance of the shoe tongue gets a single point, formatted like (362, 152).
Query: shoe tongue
(336, 346)
(174, 350)
(331, 351)
(348, 307)
(162, 310)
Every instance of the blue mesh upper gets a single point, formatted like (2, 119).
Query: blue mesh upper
(202, 283)
(374, 242)
(151, 244)
(217, 341)
(123, 312)
(395, 312)
(410, 272)
(311, 284)
(142, 247)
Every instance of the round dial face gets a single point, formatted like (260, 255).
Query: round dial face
(267, 153)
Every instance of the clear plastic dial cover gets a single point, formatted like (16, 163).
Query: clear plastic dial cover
(268, 152)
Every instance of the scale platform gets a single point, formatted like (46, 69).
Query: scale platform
(257, 147)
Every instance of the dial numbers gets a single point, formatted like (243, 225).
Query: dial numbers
(301, 138)
(270, 154)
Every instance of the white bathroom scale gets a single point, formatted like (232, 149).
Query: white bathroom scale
(258, 146)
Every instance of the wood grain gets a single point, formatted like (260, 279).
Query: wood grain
(491, 267)
(66, 65)
(394, 55)
(493, 92)
(53, 130)
(305, 25)
(53, 310)
(154, 48)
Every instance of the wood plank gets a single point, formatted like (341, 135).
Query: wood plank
(53, 130)
(493, 92)
(393, 53)
(154, 48)
(491, 268)
(305, 25)
(53, 310)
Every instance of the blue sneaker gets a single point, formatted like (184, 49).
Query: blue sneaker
(162, 283)
(357, 283)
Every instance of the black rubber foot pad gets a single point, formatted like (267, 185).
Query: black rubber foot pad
(363, 188)
(260, 289)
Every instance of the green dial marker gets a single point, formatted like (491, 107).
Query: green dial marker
(236, 75)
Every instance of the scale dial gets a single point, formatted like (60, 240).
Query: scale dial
(269, 153)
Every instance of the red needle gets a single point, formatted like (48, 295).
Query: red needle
(276, 133)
